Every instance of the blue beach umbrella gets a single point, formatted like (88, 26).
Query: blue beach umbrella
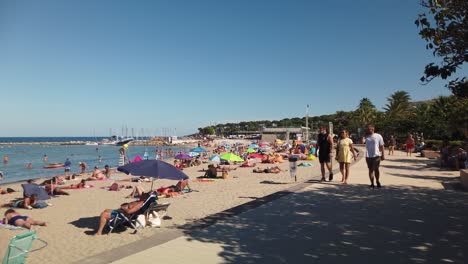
(155, 169)
(198, 149)
(215, 158)
(254, 146)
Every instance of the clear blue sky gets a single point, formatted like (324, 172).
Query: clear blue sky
(78, 68)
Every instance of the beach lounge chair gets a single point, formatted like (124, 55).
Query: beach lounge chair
(20, 246)
(122, 218)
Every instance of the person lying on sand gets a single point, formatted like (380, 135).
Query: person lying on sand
(127, 208)
(116, 187)
(26, 203)
(48, 184)
(8, 190)
(97, 175)
(14, 218)
(178, 188)
(80, 185)
(275, 169)
(138, 191)
(225, 168)
(136, 179)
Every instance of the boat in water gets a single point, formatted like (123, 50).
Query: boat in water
(54, 165)
(116, 141)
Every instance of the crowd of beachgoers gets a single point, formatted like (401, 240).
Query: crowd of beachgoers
(48, 204)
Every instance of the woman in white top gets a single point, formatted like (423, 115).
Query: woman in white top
(344, 150)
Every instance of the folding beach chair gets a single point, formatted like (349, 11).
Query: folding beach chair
(20, 246)
(122, 218)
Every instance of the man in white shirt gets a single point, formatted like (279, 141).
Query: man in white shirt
(375, 152)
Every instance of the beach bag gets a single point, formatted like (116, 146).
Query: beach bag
(142, 220)
(114, 187)
(153, 219)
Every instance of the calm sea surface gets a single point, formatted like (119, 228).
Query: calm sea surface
(20, 155)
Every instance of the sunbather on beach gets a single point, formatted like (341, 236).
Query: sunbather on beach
(53, 182)
(212, 172)
(128, 208)
(8, 190)
(178, 188)
(225, 168)
(275, 169)
(80, 185)
(107, 171)
(14, 218)
(27, 202)
(97, 175)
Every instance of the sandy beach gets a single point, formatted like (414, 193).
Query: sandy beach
(72, 220)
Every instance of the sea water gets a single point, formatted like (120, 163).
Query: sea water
(21, 155)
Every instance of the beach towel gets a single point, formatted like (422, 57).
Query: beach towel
(34, 188)
(11, 227)
(75, 188)
(305, 165)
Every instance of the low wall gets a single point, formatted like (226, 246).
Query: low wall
(430, 154)
(464, 178)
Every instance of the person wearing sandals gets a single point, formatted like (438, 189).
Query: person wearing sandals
(343, 155)
(375, 153)
(325, 150)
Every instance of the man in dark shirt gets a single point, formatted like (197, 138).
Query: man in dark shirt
(325, 150)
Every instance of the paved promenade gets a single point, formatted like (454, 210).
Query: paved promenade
(418, 216)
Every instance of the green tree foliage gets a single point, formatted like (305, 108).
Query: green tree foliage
(445, 29)
(399, 114)
(207, 130)
(366, 112)
(441, 118)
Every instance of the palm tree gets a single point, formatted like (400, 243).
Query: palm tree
(398, 104)
(366, 112)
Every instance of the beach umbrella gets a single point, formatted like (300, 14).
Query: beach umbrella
(155, 169)
(194, 154)
(215, 158)
(137, 159)
(231, 157)
(287, 145)
(256, 155)
(198, 149)
(254, 146)
(183, 156)
(251, 150)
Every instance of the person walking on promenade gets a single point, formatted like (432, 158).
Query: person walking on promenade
(391, 145)
(375, 152)
(343, 155)
(325, 150)
(409, 145)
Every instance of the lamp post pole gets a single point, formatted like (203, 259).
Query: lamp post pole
(307, 123)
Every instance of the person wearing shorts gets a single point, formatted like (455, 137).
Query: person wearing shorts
(325, 150)
(374, 154)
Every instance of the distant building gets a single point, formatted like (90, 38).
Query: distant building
(285, 133)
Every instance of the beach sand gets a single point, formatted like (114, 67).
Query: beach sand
(72, 220)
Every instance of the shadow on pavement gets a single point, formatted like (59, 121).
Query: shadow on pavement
(346, 224)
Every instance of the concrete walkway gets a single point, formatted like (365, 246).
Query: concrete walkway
(417, 217)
